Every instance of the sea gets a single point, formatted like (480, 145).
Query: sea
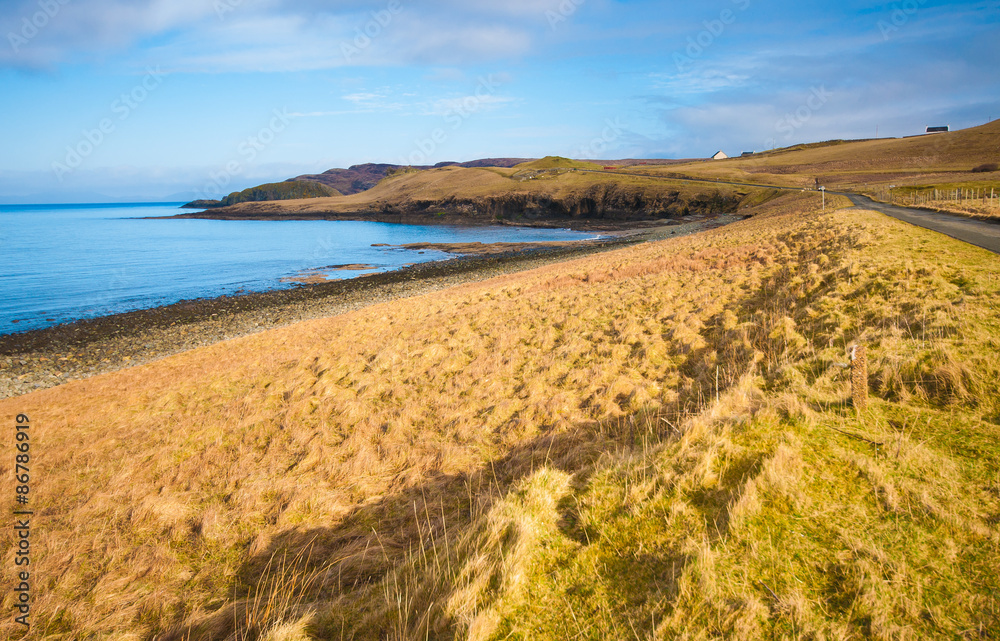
(62, 263)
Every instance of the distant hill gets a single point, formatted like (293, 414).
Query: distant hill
(352, 180)
(280, 191)
(494, 162)
(859, 165)
(359, 178)
(268, 192)
(556, 162)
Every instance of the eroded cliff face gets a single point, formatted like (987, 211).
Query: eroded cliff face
(597, 206)
(600, 202)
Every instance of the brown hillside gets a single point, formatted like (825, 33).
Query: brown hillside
(948, 157)
(522, 193)
(358, 178)
(654, 442)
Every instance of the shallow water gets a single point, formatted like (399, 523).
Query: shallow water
(60, 263)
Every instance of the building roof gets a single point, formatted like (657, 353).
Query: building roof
(719, 155)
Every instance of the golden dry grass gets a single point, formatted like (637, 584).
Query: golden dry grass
(446, 185)
(648, 443)
(862, 165)
(985, 209)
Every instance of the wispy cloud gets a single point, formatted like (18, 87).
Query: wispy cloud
(327, 114)
(383, 100)
(481, 103)
(420, 71)
(699, 83)
(89, 27)
(190, 35)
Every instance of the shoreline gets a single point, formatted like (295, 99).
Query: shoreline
(44, 358)
(607, 226)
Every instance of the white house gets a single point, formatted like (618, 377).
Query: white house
(719, 156)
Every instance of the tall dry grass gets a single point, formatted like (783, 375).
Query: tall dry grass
(860, 165)
(650, 443)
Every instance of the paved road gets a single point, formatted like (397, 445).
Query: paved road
(975, 232)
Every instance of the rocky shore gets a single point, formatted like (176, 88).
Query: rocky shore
(49, 357)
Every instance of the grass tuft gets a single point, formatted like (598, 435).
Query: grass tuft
(656, 442)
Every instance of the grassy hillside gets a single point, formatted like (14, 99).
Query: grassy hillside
(862, 165)
(280, 191)
(511, 193)
(650, 443)
(555, 187)
(556, 162)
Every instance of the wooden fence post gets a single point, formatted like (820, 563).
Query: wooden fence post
(859, 378)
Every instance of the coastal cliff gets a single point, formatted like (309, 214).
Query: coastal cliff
(533, 196)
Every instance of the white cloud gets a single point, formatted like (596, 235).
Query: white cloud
(703, 81)
(359, 98)
(44, 34)
(191, 35)
(327, 114)
(465, 104)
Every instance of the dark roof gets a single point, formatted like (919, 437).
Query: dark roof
(937, 130)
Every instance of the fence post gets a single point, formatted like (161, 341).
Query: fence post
(859, 378)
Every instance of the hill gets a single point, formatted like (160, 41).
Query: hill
(558, 189)
(556, 162)
(654, 442)
(493, 162)
(268, 192)
(548, 192)
(864, 165)
(955, 160)
(358, 178)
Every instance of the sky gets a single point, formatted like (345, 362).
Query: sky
(149, 100)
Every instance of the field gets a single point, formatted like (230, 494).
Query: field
(862, 166)
(651, 443)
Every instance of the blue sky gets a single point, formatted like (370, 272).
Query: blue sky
(154, 99)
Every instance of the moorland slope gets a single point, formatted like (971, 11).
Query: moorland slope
(652, 443)
(862, 166)
(550, 190)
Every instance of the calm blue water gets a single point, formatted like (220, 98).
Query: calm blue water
(60, 263)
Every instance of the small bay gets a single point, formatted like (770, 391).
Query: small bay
(61, 263)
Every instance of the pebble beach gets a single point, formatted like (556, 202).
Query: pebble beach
(49, 357)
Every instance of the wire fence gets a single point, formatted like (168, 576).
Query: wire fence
(983, 200)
